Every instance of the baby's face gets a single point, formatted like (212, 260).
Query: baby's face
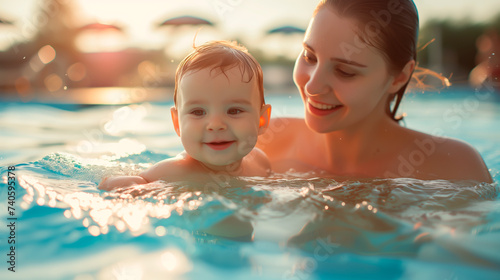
(218, 116)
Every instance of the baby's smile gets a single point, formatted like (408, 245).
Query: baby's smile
(219, 145)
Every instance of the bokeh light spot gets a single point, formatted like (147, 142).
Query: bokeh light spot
(53, 82)
(47, 54)
(77, 71)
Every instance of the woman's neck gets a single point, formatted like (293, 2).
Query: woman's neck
(359, 145)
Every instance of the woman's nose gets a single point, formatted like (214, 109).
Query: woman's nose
(318, 82)
(216, 123)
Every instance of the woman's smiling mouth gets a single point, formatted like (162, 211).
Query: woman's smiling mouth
(321, 109)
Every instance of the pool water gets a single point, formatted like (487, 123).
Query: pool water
(305, 227)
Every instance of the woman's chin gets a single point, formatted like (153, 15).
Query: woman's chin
(319, 126)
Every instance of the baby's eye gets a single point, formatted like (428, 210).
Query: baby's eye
(234, 111)
(309, 58)
(197, 112)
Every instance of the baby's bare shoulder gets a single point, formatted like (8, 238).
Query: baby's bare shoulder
(171, 169)
(260, 161)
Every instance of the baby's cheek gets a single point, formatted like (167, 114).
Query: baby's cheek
(246, 145)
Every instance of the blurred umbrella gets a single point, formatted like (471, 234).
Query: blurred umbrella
(186, 20)
(6, 22)
(282, 42)
(100, 26)
(183, 32)
(286, 29)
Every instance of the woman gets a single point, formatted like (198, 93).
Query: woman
(357, 60)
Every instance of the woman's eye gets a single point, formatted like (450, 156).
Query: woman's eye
(345, 74)
(308, 57)
(234, 111)
(197, 112)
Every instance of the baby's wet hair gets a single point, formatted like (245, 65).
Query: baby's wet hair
(221, 56)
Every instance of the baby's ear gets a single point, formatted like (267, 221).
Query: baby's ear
(265, 117)
(175, 120)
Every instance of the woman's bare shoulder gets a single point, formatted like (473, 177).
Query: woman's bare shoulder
(286, 125)
(280, 128)
(466, 161)
(280, 134)
(290, 144)
(445, 158)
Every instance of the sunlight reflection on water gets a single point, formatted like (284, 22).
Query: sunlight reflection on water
(305, 226)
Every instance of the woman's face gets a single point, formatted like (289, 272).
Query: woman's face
(343, 81)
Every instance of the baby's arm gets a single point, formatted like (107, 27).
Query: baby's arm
(111, 183)
(150, 175)
(172, 169)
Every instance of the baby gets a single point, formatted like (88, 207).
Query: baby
(218, 114)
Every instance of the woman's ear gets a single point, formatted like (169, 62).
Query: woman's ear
(175, 120)
(265, 117)
(403, 77)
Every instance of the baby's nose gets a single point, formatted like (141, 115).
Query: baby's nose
(216, 123)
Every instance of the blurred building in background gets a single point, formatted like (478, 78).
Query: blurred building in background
(55, 48)
(458, 47)
(58, 48)
(487, 70)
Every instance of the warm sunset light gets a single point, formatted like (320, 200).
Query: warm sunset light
(284, 155)
(101, 38)
(94, 44)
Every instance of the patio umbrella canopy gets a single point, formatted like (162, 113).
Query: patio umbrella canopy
(286, 29)
(4, 21)
(186, 20)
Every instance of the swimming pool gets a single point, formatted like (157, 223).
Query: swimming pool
(304, 227)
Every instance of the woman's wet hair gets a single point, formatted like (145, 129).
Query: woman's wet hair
(391, 26)
(221, 56)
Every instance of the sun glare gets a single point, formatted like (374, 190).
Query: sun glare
(101, 40)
